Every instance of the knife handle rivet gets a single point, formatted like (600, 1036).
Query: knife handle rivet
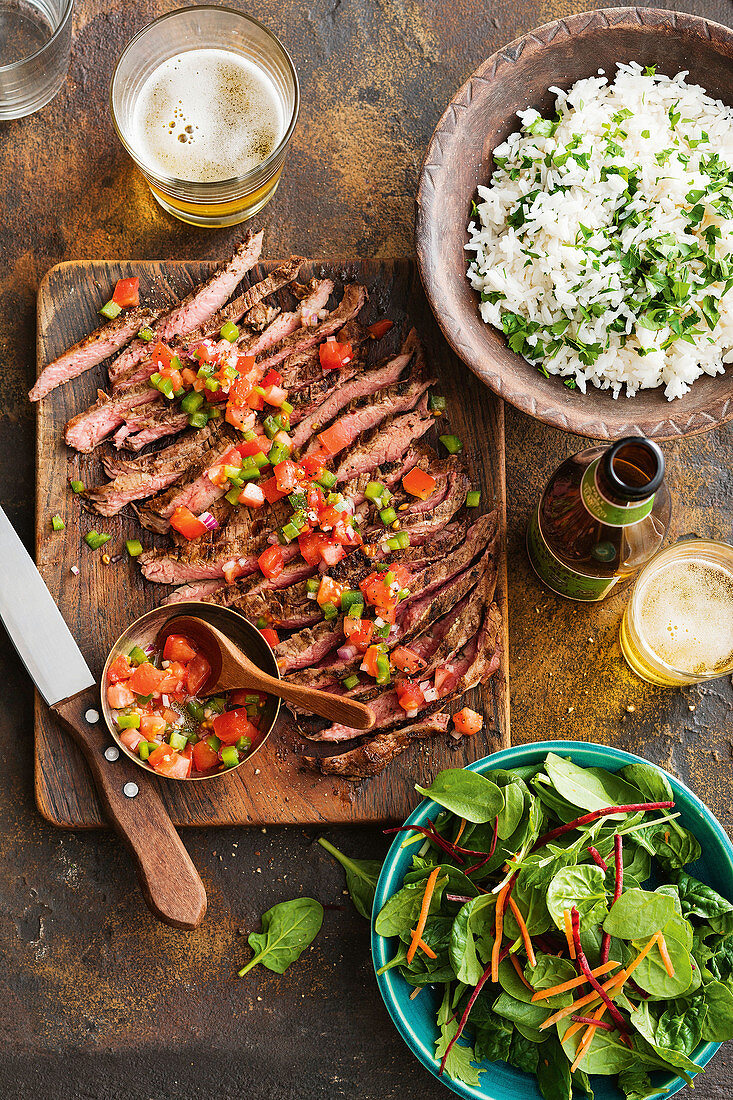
(112, 753)
(92, 716)
(130, 790)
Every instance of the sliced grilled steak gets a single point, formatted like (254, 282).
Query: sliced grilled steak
(85, 431)
(307, 646)
(196, 307)
(295, 349)
(138, 432)
(374, 756)
(387, 443)
(93, 349)
(197, 491)
(209, 561)
(309, 389)
(198, 590)
(284, 325)
(154, 473)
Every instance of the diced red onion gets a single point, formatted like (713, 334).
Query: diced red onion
(273, 539)
(430, 694)
(149, 650)
(208, 521)
(164, 699)
(411, 713)
(347, 652)
(75, 570)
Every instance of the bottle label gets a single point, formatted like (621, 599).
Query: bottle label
(557, 575)
(605, 510)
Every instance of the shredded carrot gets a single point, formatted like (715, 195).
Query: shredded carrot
(586, 999)
(666, 837)
(416, 990)
(424, 947)
(523, 929)
(499, 929)
(461, 827)
(612, 988)
(515, 963)
(569, 932)
(587, 1039)
(423, 918)
(573, 983)
(662, 945)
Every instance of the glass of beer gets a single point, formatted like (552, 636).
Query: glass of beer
(678, 625)
(205, 100)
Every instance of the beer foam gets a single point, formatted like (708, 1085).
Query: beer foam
(686, 615)
(206, 115)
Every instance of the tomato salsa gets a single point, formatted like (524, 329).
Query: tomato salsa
(161, 718)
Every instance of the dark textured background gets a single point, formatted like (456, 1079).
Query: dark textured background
(97, 999)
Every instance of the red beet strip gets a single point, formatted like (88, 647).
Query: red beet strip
(447, 847)
(583, 964)
(588, 819)
(492, 849)
(590, 1020)
(618, 855)
(597, 858)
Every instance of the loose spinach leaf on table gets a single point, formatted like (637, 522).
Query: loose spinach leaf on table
(460, 1063)
(638, 914)
(583, 887)
(553, 1072)
(718, 1023)
(287, 929)
(361, 878)
(466, 794)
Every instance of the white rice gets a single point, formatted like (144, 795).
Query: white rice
(644, 303)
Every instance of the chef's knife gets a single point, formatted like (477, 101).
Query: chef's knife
(168, 879)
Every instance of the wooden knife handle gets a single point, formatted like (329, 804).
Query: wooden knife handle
(169, 881)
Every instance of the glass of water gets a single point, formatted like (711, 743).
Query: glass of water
(35, 40)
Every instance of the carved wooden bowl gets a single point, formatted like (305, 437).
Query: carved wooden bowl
(482, 115)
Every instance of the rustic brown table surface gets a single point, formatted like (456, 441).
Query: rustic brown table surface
(97, 999)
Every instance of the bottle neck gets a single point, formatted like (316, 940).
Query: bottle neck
(618, 488)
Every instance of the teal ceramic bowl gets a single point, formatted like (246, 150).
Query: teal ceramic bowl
(415, 1020)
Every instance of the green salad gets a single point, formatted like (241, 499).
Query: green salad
(550, 908)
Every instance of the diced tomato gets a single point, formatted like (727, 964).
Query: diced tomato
(271, 378)
(204, 757)
(410, 695)
(359, 632)
(286, 476)
(200, 352)
(127, 293)
(173, 765)
(130, 739)
(186, 523)
(270, 635)
(120, 669)
(275, 395)
(406, 661)
(467, 722)
(248, 448)
(239, 417)
(310, 547)
(119, 696)
(344, 534)
(239, 391)
(255, 401)
(245, 363)
(333, 355)
(252, 495)
(370, 660)
(314, 499)
(152, 726)
(329, 592)
(271, 491)
(171, 716)
(329, 517)
(147, 679)
(161, 355)
(379, 329)
(336, 437)
(199, 671)
(239, 698)
(189, 377)
(175, 377)
(313, 464)
(332, 552)
(271, 562)
(442, 675)
(233, 457)
(177, 648)
(418, 483)
(233, 724)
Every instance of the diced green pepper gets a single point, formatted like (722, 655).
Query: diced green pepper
(387, 516)
(192, 402)
(128, 721)
(278, 453)
(330, 610)
(213, 742)
(249, 435)
(350, 682)
(351, 597)
(94, 540)
(374, 490)
(312, 584)
(229, 756)
(252, 700)
(243, 744)
(261, 623)
(382, 631)
(138, 656)
(327, 479)
(195, 709)
(473, 498)
(285, 409)
(57, 524)
(177, 740)
(77, 486)
(229, 331)
(218, 704)
(382, 669)
(356, 611)
(110, 310)
(289, 532)
(233, 495)
(146, 334)
(259, 460)
(144, 750)
(270, 426)
(297, 501)
(436, 403)
(452, 444)
(198, 419)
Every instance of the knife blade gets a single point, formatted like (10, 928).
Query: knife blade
(35, 625)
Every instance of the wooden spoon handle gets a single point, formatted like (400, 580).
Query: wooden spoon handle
(168, 879)
(337, 708)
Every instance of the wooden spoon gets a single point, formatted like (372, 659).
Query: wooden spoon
(232, 670)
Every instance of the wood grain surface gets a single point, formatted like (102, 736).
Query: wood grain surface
(100, 602)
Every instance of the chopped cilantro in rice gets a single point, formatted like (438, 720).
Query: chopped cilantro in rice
(603, 245)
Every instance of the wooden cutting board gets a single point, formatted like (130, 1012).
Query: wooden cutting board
(101, 600)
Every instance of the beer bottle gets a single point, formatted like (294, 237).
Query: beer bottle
(602, 516)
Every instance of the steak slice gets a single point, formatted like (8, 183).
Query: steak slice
(374, 756)
(308, 645)
(311, 385)
(196, 308)
(197, 590)
(135, 480)
(92, 349)
(284, 325)
(295, 349)
(87, 430)
(234, 547)
(197, 492)
(387, 443)
(138, 431)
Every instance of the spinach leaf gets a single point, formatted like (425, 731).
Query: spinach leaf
(636, 1084)
(651, 973)
(718, 1025)
(550, 971)
(581, 1082)
(653, 785)
(463, 956)
(361, 878)
(520, 1012)
(402, 910)
(553, 1072)
(287, 929)
(582, 887)
(638, 914)
(455, 880)
(722, 923)
(511, 814)
(532, 904)
(588, 788)
(466, 794)
(719, 960)
(460, 1062)
(523, 1054)
(673, 847)
(645, 1024)
(606, 1054)
(492, 1041)
(680, 1025)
